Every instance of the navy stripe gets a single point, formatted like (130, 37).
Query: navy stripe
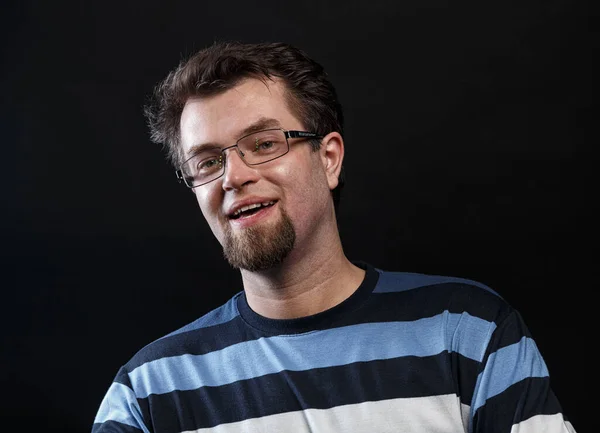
(195, 342)
(292, 391)
(122, 377)
(382, 307)
(464, 374)
(510, 331)
(431, 300)
(113, 426)
(358, 343)
(502, 411)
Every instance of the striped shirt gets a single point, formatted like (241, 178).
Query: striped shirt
(405, 353)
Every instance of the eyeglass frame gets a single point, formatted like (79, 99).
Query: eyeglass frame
(287, 133)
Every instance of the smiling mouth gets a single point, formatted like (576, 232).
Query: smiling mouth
(246, 211)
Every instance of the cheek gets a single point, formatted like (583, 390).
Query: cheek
(209, 206)
(209, 199)
(309, 193)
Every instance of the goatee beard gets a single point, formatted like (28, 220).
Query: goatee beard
(260, 248)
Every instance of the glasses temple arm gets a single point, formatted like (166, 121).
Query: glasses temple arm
(302, 134)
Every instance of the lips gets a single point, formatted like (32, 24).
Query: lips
(248, 208)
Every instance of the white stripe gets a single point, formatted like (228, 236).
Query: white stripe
(408, 415)
(544, 423)
(466, 413)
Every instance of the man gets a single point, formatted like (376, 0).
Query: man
(314, 342)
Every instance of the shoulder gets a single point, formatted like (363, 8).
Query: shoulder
(199, 336)
(401, 281)
(438, 293)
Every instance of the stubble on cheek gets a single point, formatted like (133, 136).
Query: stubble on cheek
(259, 248)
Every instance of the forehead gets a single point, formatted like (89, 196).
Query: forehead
(221, 119)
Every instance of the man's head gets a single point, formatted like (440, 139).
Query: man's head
(213, 70)
(222, 94)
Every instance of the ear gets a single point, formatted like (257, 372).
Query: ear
(332, 156)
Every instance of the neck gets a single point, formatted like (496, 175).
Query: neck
(304, 284)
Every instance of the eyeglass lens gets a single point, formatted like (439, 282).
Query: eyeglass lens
(257, 148)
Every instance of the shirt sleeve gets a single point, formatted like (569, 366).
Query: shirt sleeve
(119, 411)
(512, 391)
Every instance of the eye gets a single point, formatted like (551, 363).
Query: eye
(263, 145)
(209, 163)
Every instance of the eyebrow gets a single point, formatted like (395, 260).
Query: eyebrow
(261, 124)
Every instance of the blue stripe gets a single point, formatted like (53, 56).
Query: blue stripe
(120, 405)
(470, 336)
(318, 349)
(402, 281)
(506, 367)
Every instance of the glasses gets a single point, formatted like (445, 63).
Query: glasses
(254, 149)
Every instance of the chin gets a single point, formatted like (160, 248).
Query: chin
(260, 247)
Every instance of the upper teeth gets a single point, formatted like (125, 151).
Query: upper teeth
(252, 206)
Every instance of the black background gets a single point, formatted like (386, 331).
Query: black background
(467, 130)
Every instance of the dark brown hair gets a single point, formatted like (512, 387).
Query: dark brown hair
(217, 68)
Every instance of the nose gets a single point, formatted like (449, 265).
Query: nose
(237, 172)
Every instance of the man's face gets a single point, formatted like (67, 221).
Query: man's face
(293, 191)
